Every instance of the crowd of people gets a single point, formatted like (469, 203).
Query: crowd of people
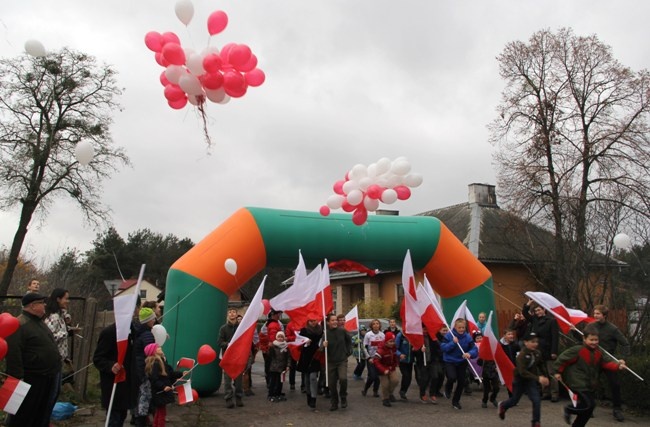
(443, 367)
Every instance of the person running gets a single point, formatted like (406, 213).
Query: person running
(373, 339)
(385, 363)
(339, 348)
(405, 355)
(458, 348)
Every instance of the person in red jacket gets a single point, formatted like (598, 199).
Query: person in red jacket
(267, 336)
(386, 363)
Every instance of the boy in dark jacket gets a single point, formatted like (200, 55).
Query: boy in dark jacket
(530, 369)
(579, 368)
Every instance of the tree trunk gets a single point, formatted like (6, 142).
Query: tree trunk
(16, 246)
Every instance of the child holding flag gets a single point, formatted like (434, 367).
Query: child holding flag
(457, 349)
(579, 367)
(162, 378)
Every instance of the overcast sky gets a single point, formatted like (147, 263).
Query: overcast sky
(348, 81)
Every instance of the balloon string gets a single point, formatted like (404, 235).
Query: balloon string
(181, 300)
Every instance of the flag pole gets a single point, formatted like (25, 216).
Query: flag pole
(110, 404)
(322, 295)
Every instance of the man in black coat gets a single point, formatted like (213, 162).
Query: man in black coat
(547, 331)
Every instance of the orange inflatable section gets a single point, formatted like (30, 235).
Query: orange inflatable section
(453, 270)
(205, 261)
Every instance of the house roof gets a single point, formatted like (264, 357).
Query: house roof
(126, 284)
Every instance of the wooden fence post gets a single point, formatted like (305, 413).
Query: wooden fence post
(85, 357)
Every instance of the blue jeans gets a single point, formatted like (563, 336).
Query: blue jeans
(530, 387)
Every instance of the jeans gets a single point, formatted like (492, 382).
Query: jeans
(361, 365)
(406, 370)
(455, 374)
(530, 387)
(228, 390)
(373, 378)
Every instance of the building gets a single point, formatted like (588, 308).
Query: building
(118, 287)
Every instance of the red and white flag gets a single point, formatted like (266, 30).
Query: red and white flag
(185, 393)
(235, 357)
(432, 315)
(352, 320)
(185, 363)
(410, 310)
(463, 313)
(123, 307)
(567, 317)
(12, 394)
(491, 349)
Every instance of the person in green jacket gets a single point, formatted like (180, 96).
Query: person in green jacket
(612, 340)
(579, 367)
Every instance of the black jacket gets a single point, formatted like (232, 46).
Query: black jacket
(547, 332)
(143, 337)
(159, 382)
(104, 358)
(32, 349)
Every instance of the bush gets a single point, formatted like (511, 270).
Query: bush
(635, 392)
(373, 309)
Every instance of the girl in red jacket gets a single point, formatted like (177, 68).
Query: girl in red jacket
(386, 363)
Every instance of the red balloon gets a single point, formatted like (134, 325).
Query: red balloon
(195, 395)
(360, 216)
(205, 355)
(374, 191)
(255, 77)
(8, 325)
(251, 64)
(212, 63)
(3, 348)
(234, 83)
(346, 206)
(239, 55)
(179, 104)
(403, 192)
(217, 22)
(324, 210)
(153, 40)
(338, 187)
(267, 306)
(161, 60)
(174, 53)
(225, 51)
(169, 37)
(212, 81)
(163, 79)
(174, 93)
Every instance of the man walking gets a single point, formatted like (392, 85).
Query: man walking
(339, 348)
(547, 331)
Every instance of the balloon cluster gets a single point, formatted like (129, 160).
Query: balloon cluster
(364, 187)
(212, 74)
(8, 325)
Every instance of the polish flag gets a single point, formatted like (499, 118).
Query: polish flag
(410, 310)
(295, 346)
(567, 317)
(235, 357)
(123, 307)
(12, 394)
(352, 320)
(185, 393)
(491, 349)
(432, 315)
(463, 313)
(185, 363)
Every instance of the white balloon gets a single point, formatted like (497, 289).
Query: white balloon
(393, 180)
(371, 205)
(400, 167)
(159, 334)
(216, 95)
(84, 152)
(231, 266)
(383, 165)
(355, 197)
(184, 11)
(195, 64)
(174, 73)
(358, 171)
(35, 48)
(365, 182)
(350, 185)
(335, 201)
(389, 196)
(193, 99)
(225, 100)
(622, 241)
(190, 84)
(372, 170)
(413, 180)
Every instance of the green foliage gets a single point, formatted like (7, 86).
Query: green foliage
(373, 308)
(635, 392)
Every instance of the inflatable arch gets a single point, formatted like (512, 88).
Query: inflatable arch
(257, 237)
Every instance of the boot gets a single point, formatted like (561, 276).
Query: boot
(312, 403)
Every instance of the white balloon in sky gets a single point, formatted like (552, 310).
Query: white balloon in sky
(355, 197)
(195, 64)
(400, 166)
(335, 201)
(84, 152)
(34, 48)
(184, 11)
(413, 180)
(383, 165)
(389, 196)
(622, 241)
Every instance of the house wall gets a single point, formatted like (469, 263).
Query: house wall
(151, 291)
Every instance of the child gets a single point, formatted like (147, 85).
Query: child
(511, 347)
(279, 355)
(386, 362)
(428, 367)
(162, 378)
(579, 367)
(530, 369)
(457, 349)
(491, 381)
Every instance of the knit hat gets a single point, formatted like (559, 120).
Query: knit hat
(280, 334)
(146, 315)
(530, 336)
(150, 349)
(389, 336)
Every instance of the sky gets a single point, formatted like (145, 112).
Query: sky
(347, 82)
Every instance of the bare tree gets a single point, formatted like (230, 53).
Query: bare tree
(572, 133)
(47, 106)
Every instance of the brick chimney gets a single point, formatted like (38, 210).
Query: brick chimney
(483, 194)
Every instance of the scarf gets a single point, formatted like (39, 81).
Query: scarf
(282, 345)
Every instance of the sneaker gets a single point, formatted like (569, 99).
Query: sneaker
(501, 411)
(292, 387)
(364, 392)
(375, 394)
(433, 400)
(402, 395)
(280, 399)
(554, 399)
(537, 424)
(239, 402)
(494, 402)
(618, 415)
(483, 404)
(357, 377)
(344, 402)
(446, 394)
(567, 416)
(249, 393)
(334, 407)
(424, 399)
(230, 404)
(457, 406)
(392, 398)
(386, 402)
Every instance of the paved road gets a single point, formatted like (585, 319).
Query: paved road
(362, 411)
